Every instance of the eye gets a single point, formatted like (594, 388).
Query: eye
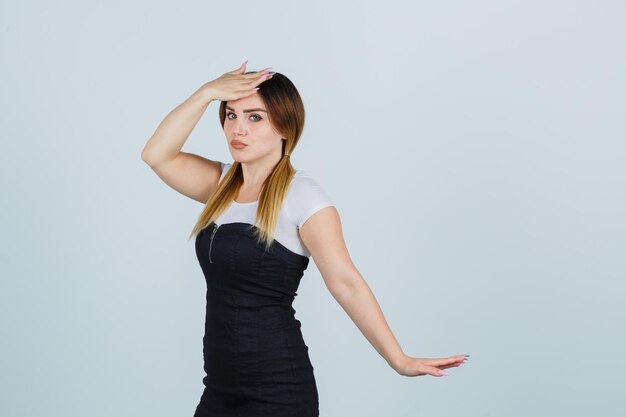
(252, 115)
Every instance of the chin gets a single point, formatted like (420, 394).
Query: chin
(239, 158)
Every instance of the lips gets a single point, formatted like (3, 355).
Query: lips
(238, 144)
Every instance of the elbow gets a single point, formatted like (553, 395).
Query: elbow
(346, 286)
(145, 156)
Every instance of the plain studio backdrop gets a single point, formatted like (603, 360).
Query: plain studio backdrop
(475, 152)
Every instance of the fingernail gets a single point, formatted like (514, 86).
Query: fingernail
(442, 373)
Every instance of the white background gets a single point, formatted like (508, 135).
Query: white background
(474, 150)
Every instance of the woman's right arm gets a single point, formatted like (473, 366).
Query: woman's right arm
(189, 174)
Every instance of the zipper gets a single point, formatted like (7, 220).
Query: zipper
(215, 226)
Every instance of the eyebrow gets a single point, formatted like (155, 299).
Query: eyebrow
(246, 111)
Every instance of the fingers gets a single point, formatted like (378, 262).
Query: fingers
(250, 85)
(241, 69)
(446, 361)
(453, 361)
(435, 371)
(258, 75)
(452, 365)
(435, 367)
(431, 366)
(255, 75)
(262, 77)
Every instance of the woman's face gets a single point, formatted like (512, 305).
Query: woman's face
(247, 121)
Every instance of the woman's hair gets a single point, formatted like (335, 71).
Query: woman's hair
(285, 111)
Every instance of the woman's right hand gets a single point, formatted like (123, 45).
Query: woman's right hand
(235, 84)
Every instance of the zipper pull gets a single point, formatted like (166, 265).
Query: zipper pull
(215, 226)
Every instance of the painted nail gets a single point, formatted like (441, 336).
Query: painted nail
(442, 373)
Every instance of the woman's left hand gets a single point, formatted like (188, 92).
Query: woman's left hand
(409, 366)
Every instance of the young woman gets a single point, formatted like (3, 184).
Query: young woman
(261, 222)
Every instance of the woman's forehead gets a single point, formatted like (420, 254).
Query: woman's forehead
(244, 104)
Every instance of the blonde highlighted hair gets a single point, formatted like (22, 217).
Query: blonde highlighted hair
(285, 111)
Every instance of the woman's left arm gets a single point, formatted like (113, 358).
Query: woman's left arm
(322, 235)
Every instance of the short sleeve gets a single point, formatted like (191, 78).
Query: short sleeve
(306, 197)
(225, 168)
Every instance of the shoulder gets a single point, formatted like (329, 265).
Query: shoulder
(225, 167)
(304, 185)
(306, 196)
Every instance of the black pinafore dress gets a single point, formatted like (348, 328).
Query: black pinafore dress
(255, 358)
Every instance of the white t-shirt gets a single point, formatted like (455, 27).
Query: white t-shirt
(304, 198)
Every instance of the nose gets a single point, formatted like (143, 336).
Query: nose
(239, 129)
